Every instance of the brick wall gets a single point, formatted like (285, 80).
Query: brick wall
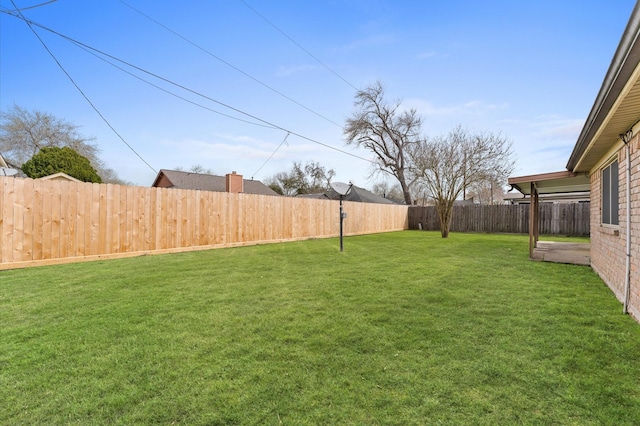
(608, 243)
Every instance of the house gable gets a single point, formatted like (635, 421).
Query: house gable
(204, 182)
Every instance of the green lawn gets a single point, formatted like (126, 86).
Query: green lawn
(401, 328)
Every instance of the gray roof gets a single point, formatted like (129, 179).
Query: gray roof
(356, 193)
(204, 182)
(316, 195)
(3, 163)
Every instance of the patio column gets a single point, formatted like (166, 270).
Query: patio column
(534, 215)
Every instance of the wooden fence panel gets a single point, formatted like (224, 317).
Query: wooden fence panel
(48, 221)
(555, 219)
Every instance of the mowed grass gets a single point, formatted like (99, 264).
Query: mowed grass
(400, 328)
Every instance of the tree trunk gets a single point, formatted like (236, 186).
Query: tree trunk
(445, 212)
(407, 197)
(405, 188)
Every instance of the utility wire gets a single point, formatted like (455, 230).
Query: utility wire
(208, 52)
(78, 87)
(171, 93)
(271, 156)
(34, 6)
(147, 81)
(191, 90)
(298, 44)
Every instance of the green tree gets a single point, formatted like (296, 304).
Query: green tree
(24, 133)
(50, 160)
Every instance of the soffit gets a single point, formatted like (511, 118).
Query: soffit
(617, 105)
(552, 183)
(618, 121)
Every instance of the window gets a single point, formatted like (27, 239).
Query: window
(610, 194)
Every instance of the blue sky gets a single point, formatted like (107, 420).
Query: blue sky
(528, 70)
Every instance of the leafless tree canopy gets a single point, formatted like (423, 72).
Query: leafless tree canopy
(385, 130)
(390, 192)
(23, 133)
(447, 165)
(308, 179)
(489, 191)
(196, 168)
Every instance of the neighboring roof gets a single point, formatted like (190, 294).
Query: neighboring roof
(552, 183)
(204, 182)
(359, 195)
(356, 194)
(15, 172)
(60, 176)
(616, 108)
(317, 196)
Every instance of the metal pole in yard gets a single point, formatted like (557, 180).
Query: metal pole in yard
(341, 219)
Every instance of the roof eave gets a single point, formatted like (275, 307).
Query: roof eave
(157, 179)
(622, 65)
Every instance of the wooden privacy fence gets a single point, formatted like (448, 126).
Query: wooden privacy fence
(49, 221)
(555, 219)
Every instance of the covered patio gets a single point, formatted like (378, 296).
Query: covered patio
(532, 186)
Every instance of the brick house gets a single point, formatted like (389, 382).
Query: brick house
(606, 160)
(231, 182)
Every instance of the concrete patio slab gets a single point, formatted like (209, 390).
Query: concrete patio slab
(561, 252)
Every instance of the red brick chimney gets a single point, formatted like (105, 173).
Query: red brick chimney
(234, 182)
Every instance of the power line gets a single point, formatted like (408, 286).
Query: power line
(271, 156)
(166, 80)
(34, 6)
(78, 87)
(208, 52)
(171, 93)
(298, 44)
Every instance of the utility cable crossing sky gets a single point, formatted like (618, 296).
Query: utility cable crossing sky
(223, 82)
(31, 24)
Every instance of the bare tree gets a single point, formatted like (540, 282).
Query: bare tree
(196, 168)
(391, 192)
(309, 179)
(447, 165)
(319, 178)
(487, 191)
(387, 131)
(24, 133)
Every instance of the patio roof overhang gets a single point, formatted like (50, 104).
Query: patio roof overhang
(564, 182)
(547, 183)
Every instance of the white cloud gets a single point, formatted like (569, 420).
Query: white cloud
(549, 127)
(372, 41)
(561, 128)
(543, 143)
(289, 71)
(426, 55)
(473, 107)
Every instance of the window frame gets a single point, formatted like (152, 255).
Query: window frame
(610, 195)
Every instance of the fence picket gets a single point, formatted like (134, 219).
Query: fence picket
(555, 219)
(45, 221)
